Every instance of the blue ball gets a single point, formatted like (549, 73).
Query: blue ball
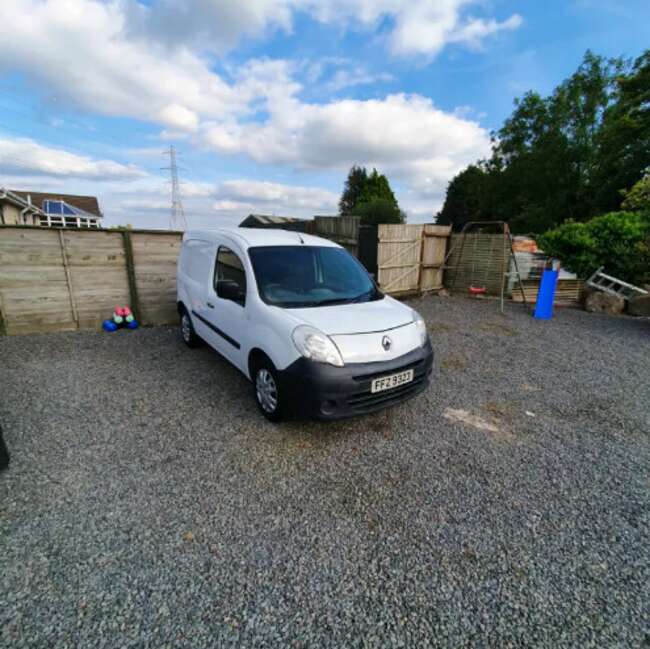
(132, 325)
(109, 325)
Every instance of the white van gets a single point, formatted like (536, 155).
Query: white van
(303, 320)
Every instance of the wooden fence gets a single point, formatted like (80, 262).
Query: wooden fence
(481, 261)
(58, 280)
(343, 230)
(410, 257)
(65, 279)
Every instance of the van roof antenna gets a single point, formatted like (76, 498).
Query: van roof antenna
(300, 237)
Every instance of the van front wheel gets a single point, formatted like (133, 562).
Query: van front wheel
(187, 330)
(267, 391)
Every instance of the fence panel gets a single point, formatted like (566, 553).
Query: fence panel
(97, 273)
(154, 260)
(482, 261)
(60, 279)
(34, 293)
(343, 230)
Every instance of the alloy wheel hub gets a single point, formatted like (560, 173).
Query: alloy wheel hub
(267, 392)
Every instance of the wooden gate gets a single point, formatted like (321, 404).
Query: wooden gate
(410, 257)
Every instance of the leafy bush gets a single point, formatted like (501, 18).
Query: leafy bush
(379, 210)
(619, 241)
(638, 198)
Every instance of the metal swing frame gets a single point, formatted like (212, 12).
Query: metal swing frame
(505, 273)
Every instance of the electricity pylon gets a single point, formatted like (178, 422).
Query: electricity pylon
(176, 216)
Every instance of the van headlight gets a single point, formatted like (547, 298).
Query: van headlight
(316, 345)
(421, 326)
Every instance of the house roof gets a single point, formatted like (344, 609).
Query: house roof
(18, 201)
(260, 220)
(85, 203)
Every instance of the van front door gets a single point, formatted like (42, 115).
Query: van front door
(226, 305)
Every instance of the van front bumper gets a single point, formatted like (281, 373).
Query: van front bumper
(326, 392)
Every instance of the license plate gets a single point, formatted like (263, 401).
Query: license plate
(391, 381)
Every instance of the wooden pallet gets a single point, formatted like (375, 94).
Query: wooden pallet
(568, 291)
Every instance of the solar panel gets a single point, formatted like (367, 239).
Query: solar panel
(53, 207)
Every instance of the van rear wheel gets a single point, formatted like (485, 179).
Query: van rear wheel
(267, 392)
(187, 330)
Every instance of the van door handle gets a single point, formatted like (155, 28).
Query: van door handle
(210, 305)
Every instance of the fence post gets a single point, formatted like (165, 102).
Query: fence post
(68, 279)
(421, 264)
(3, 326)
(130, 274)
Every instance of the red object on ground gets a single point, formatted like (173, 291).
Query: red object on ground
(476, 290)
(122, 311)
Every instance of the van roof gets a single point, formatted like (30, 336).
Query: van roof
(252, 237)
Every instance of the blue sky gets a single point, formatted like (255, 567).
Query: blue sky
(269, 102)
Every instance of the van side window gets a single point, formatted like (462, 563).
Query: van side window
(195, 258)
(230, 267)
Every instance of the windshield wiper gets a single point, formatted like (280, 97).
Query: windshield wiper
(347, 300)
(369, 294)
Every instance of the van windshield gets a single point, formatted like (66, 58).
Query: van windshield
(310, 276)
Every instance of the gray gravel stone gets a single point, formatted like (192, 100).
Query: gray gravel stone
(148, 504)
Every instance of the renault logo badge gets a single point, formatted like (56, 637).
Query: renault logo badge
(386, 343)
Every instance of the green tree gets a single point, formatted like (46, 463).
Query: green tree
(564, 156)
(354, 187)
(377, 186)
(624, 140)
(379, 210)
(547, 150)
(638, 198)
(369, 196)
(466, 198)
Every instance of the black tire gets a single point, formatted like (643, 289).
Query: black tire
(266, 390)
(4, 453)
(187, 330)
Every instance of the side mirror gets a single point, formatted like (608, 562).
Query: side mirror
(229, 289)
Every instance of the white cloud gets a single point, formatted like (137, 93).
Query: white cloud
(140, 204)
(476, 30)
(212, 24)
(80, 51)
(146, 203)
(178, 116)
(355, 76)
(156, 63)
(405, 135)
(24, 156)
(277, 196)
(121, 57)
(424, 27)
(232, 206)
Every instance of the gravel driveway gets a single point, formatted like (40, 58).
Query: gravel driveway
(148, 504)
